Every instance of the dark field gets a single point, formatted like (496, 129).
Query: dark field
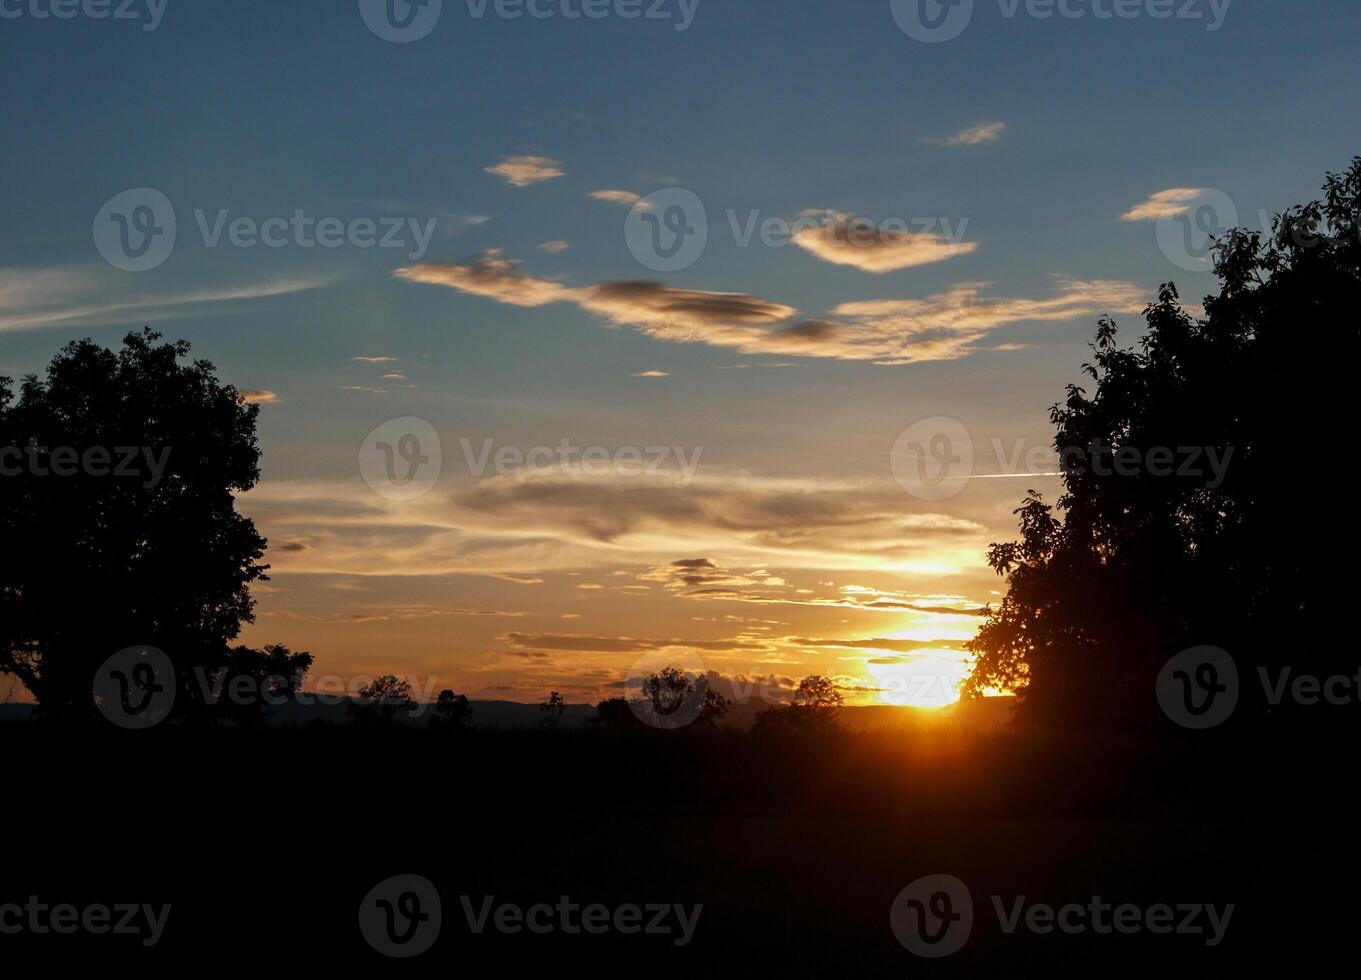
(795, 848)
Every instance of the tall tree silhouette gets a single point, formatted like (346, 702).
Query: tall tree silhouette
(1136, 563)
(118, 512)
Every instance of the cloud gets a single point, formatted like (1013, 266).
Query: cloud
(942, 326)
(893, 645)
(846, 240)
(555, 247)
(526, 170)
(652, 374)
(1164, 204)
(703, 579)
(578, 643)
(627, 198)
(518, 579)
(379, 359)
(34, 298)
(973, 136)
(533, 523)
(492, 275)
(258, 396)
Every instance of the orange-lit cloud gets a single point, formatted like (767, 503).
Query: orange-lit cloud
(943, 326)
(523, 171)
(846, 240)
(972, 136)
(626, 198)
(1164, 204)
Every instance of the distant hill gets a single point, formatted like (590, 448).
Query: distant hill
(990, 714)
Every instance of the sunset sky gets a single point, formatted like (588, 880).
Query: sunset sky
(1038, 168)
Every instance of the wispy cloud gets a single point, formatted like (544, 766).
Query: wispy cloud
(259, 396)
(375, 359)
(627, 198)
(943, 326)
(1164, 204)
(555, 247)
(524, 171)
(972, 136)
(652, 374)
(35, 298)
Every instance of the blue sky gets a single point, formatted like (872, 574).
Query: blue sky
(264, 109)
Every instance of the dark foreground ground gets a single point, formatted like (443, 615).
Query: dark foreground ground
(265, 845)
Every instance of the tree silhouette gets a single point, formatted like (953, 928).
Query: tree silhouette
(253, 680)
(452, 711)
(814, 708)
(382, 700)
(551, 710)
(673, 699)
(118, 513)
(1133, 566)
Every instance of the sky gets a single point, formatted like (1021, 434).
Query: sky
(716, 334)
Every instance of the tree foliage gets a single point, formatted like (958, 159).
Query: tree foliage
(1124, 571)
(151, 552)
